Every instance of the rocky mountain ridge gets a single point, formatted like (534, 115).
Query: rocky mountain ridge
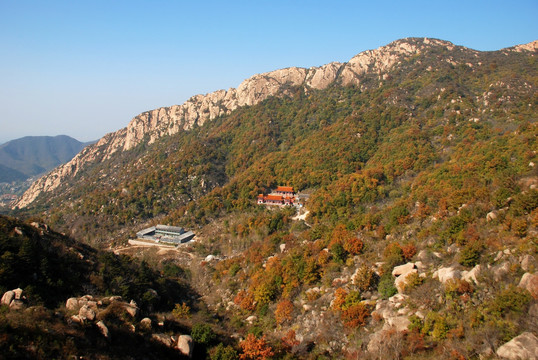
(152, 125)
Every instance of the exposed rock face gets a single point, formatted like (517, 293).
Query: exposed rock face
(152, 125)
(524, 346)
(185, 345)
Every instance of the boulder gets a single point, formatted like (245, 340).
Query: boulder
(527, 263)
(403, 269)
(445, 274)
(77, 319)
(86, 313)
(491, 216)
(530, 282)
(8, 297)
(251, 319)
(185, 345)
(145, 323)
(472, 274)
(103, 328)
(18, 294)
(71, 304)
(524, 346)
(399, 282)
(163, 338)
(131, 308)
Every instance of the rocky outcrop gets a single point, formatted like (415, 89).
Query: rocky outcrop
(152, 125)
(524, 346)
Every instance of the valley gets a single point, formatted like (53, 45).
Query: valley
(415, 237)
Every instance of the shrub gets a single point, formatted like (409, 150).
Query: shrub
(386, 286)
(203, 334)
(181, 311)
(244, 300)
(355, 315)
(412, 281)
(393, 255)
(353, 245)
(221, 352)
(365, 278)
(338, 252)
(470, 254)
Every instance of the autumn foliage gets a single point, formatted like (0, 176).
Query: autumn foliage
(255, 348)
(283, 311)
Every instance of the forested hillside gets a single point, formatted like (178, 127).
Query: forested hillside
(421, 223)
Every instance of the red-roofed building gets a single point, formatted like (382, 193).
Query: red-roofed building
(285, 191)
(283, 195)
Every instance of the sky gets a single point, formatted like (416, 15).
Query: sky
(86, 68)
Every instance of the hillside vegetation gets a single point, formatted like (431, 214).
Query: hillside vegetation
(420, 236)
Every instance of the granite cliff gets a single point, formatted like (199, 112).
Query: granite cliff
(152, 125)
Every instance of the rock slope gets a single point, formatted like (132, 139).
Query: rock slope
(152, 125)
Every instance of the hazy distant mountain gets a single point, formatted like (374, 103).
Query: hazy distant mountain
(34, 155)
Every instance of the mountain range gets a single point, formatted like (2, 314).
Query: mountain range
(416, 168)
(35, 155)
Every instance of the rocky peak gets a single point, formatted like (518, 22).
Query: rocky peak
(532, 47)
(154, 124)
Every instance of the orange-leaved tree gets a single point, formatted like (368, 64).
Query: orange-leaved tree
(255, 349)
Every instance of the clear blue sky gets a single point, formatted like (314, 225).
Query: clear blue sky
(85, 68)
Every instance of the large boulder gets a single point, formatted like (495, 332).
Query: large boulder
(400, 281)
(71, 304)
(447, 273)
(527, 263)
(18, 294)
(403, 269)
(524, 346)
(185, 345)
(530, 282)
(145, 324)
(472, 274)
(8, 297)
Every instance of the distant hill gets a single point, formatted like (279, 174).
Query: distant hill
(34, 155)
